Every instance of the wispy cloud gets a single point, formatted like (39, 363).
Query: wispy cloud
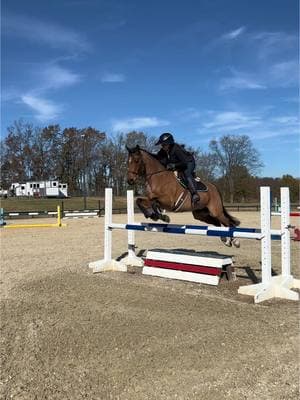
(113, 24)
(260, 125)
(45, 33)
(112, 77)
(9, 94)
(231, 121)
(129, 124)
(273, 57)
(285, 74)
(234, 34)
(273, 44)
(188, 114)
(280, 75)
(240, 81)
(56, 77)
(45, 109)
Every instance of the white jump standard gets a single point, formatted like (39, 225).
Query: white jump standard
(281, 285)
(278, 286)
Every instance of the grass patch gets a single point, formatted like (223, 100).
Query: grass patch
(14, 204)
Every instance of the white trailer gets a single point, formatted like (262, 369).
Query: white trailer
(40, 189)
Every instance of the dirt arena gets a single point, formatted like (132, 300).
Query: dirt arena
(67, 333)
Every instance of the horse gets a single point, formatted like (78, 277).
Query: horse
(165, 192)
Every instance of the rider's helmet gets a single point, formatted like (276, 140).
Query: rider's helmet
(165, 138)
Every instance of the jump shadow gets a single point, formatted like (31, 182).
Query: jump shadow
(251, 274)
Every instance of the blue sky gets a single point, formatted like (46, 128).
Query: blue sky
(197, 68)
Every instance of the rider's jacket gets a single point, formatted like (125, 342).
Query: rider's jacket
(176, 155)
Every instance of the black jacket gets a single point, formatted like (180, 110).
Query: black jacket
(177, 155)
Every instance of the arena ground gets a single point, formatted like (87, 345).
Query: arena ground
(69, 334)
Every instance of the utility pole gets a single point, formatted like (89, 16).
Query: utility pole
(84, 170)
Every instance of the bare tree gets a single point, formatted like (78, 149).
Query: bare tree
(206, 165)
(140, 138)
(16, 152)
(235, 154)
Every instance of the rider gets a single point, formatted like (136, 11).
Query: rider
(175, 158)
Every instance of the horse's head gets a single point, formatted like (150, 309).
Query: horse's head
(136, 166)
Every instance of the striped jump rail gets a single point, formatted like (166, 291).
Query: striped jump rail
(81, 214)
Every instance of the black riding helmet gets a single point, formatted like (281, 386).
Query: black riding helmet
(165, 138)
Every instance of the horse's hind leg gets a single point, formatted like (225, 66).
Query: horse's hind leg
(225, 219)
(205, 216)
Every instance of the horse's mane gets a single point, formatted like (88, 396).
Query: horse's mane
(152, 155)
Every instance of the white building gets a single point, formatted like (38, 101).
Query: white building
(40, 189)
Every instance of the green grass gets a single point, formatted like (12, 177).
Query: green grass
(14, 204)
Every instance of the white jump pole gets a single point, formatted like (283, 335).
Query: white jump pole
(277, 286)
(131, 259)
(107, 263)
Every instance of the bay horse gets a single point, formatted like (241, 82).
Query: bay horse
(165, 192)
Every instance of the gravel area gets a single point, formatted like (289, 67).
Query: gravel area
(67, 333)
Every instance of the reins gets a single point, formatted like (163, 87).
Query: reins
(148, 176)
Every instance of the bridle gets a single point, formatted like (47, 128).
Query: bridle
(149, 175)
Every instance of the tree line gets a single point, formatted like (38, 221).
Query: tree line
(89, 160)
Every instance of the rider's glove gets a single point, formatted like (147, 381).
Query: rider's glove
(171, 167)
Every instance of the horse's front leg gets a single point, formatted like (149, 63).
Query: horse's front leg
(157, 208)
(145, 205)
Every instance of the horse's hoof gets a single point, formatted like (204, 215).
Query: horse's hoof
(227, 241)
(236, 243)
(154, 217)
(165, 218)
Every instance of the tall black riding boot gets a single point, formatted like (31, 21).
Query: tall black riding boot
(192, 189)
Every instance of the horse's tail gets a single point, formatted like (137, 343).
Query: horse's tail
(234, 221)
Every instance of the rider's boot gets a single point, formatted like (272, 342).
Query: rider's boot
(192, 189)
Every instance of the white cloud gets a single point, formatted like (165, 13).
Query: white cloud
(234, 34)
(10, 94)
(46, 110)
(272, 44)
(113, 24)
(288, 120)
(45, 33)
(262, 125)
(231, 120)
(188, 114)
(112, 78)
(55, 77)
(240, 82)
(129, 124)
(285, 74)
(272, 58)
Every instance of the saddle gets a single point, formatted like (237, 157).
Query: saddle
(199, 185)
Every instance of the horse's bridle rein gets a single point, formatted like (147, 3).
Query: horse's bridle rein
(148, 175)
